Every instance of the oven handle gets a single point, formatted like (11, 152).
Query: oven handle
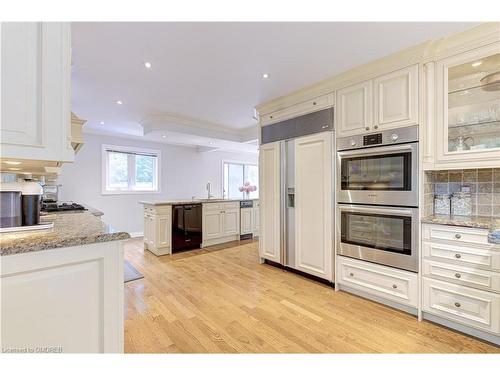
(378, 150)
(376, 210)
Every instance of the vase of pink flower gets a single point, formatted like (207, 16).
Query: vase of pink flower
(247, 189)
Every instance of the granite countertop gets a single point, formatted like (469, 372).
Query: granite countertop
(193, 201)
(484, 222)
(70, 229)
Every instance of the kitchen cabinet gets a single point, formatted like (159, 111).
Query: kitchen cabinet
(269, 200)
(467, 127)
(461, 278)
(247, 217)
(255, 218)
(313, 204)
(220, 222)
(386, 102)
(305, 107)
(69, 298)
(158, 229)
(36, 92)
(354, 109)
(379, 281)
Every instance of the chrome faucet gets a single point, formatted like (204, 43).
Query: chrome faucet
(208, 190)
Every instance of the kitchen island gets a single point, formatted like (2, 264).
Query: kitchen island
(62, 288)
(222, 221)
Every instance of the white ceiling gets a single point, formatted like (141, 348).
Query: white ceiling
(212, 72)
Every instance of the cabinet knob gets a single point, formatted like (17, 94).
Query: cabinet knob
(375, 127)
(394, 137)
(394, 286)
(314, 103)
(270, 116)
(458, 236)
(457, 304)
(351, 274)
(458, 256)
(458, 276)
(367, 128)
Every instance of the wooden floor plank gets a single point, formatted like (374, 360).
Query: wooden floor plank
(222, 300)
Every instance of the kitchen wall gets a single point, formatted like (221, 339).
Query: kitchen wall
(484, 184)
(184, 173)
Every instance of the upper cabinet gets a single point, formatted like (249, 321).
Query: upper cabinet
(36, 91)
(354, 109)
(467, 128)
(386, 102)
(308, 106)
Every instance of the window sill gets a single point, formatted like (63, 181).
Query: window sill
(129, 192)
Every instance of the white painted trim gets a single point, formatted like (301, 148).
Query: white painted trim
(104, 171)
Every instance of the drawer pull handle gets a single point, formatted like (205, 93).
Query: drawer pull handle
(394, 286)
(458, 236)
(458, 276)
(458, 256)
(457, 304)
(351, 274)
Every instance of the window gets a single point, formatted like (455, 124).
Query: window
(129, 170)
(240, 178)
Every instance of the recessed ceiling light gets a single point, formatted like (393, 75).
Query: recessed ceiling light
(477, 63)
(163, 136)
(119, 102)
(14, 169)
(211, 143)
(12, 162)
(147, 65)
(102, 122)
(265, 75)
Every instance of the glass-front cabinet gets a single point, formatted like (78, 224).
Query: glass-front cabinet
(468, 108)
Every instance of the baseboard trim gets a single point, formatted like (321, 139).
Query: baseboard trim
(136, 234)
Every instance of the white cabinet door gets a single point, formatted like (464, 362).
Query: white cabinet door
(163, 230)
(231, 222)
(146, 229)
(255, 220)
(212, 225)
(313, 204)
(269, 200)
(354, 109)
(246, 221)
(396, 99)
(35, 91)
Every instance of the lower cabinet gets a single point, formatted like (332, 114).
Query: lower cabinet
(377, 280)
(68, 300)
(158, 229)
(220, 222)
(255, 219)
(461, 278)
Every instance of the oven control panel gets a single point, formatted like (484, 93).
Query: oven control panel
(372, 139)
(384, 138)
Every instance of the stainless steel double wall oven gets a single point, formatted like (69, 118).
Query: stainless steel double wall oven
(377, 194)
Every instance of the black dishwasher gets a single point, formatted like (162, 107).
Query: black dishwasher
(186, 227)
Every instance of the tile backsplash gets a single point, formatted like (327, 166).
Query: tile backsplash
(484, 185)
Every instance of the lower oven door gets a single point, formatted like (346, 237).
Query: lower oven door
(384, 235)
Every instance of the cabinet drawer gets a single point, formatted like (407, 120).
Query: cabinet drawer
(472, 307)
(396, 285)
(231, 205)
(299, 109)
(467, 276)
(455, 235)
(466, 256)
(212, 207)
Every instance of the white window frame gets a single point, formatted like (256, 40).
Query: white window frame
(241, 163)
(132, 150)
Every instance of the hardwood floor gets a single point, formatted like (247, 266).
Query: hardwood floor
(221, 300)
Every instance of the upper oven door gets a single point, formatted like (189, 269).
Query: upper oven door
(385, 175)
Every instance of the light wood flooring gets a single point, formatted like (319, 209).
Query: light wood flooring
(221, 300)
